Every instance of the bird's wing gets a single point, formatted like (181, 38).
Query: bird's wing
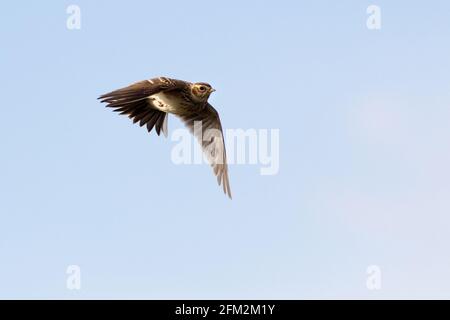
(206, 127)
(133, 101)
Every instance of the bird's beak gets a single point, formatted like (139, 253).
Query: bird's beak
(212, 90)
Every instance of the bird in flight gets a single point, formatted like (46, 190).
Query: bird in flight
(149, 102)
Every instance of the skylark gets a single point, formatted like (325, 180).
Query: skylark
(150, 101)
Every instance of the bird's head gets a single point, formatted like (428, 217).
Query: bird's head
(201, 91)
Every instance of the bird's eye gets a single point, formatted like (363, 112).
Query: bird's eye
(202, 88)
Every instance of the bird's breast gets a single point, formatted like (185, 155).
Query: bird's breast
(164, 102)
(174, 103)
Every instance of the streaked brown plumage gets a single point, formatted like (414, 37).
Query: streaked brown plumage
(149, 102)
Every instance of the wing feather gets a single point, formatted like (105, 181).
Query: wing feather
(133, 101)
(206, 127)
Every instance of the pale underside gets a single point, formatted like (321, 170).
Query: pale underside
(164, 103)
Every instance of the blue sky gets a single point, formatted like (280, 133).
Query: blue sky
(364, 151)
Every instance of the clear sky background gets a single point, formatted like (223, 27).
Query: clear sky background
(364, 173)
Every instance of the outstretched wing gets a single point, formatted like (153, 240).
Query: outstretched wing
(206, 127)
(133, 101)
